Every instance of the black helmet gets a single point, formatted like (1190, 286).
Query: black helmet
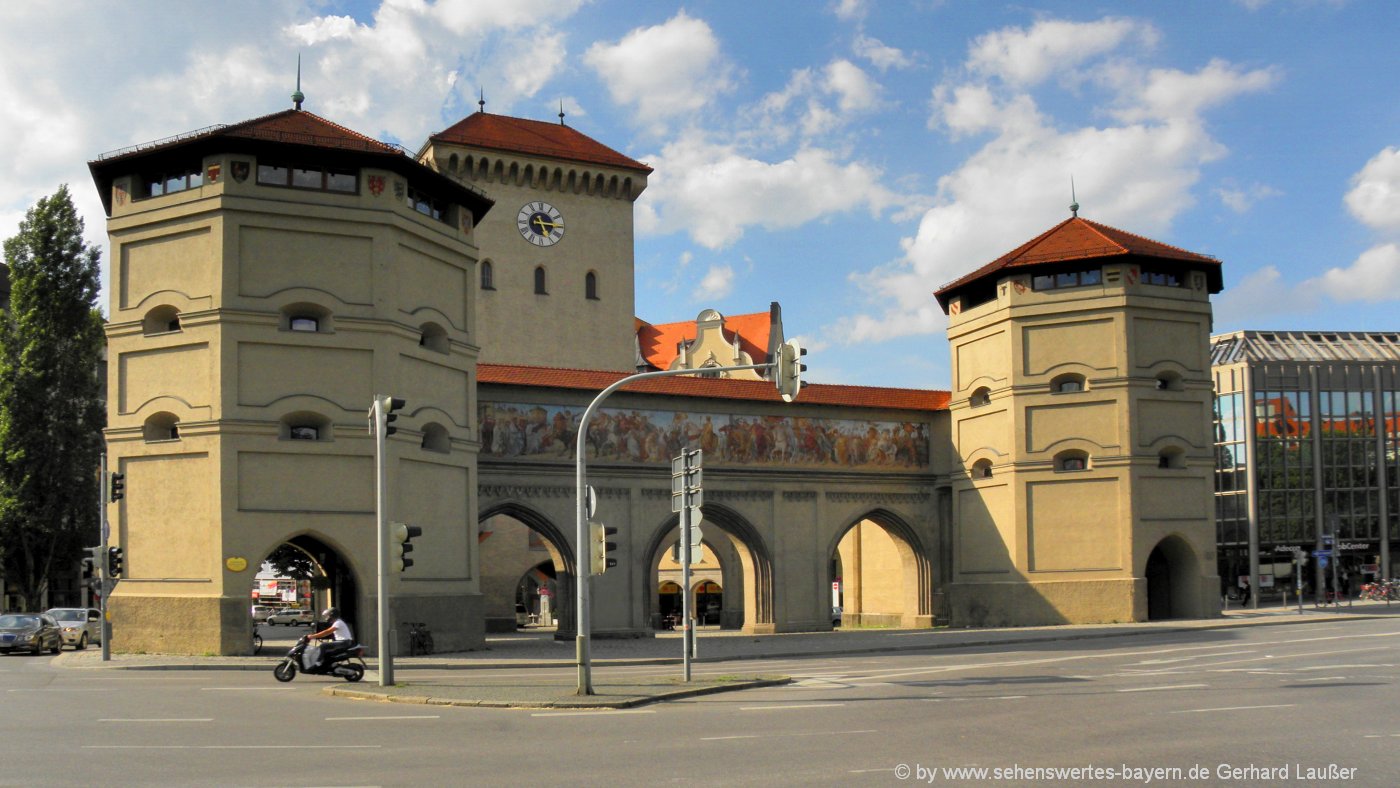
(330, 613)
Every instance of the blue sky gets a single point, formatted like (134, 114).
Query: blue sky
(843, 157)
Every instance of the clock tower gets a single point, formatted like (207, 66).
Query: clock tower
(555, 285)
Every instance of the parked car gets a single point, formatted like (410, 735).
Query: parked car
(261, 612)
(80, 625)
(292, 617)
(32, 632)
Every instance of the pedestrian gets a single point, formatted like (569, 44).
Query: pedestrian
(1244, 595)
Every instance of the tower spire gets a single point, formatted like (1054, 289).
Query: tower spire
(297, 95)
(561, 112)
(1073, 200)
(481, 100)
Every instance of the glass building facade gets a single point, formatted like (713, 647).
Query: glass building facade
(1307, 457)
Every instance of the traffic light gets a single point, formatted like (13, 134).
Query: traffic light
(116, 486)
(114, 562)
(599, 547)
(402, 533)
(387, 406)
(788, 374)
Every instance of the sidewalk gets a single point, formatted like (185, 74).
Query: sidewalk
(539, 650)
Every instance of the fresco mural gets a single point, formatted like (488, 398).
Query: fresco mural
(546, 432)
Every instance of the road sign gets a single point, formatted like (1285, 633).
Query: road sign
(592, 503)
(1322, 554)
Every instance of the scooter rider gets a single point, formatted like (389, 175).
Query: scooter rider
(338, 632)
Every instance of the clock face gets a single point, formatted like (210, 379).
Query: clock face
(540, 223)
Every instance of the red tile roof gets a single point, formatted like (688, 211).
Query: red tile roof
(658, 342)
(307, 128)
(1079, 239)
(517, 135)
(713, 388)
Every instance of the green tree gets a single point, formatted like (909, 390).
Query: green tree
(51, 413)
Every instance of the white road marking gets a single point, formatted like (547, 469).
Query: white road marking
(591, 713)
(1168, 687)
(790, 706)
(158, 719)
(247, 689)
(61, 689)
(1235, 708)
(867, 771)
(403, 717)
(1007, 697)
(781, 735)
(1322, 678)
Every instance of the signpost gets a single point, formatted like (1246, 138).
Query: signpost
(687, 494)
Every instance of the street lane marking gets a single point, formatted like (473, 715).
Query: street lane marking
(62, 689)
(158, 719)
(1157, 689)
(591, 713)
(781, 735)
(1007, 697)
(246, 689)
(232, 746)
(403, 717)
(1322, 678)
(790, 706)
(1235, 708)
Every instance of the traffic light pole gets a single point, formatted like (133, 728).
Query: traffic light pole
(99, 567)
(381, 530)
(581, 562)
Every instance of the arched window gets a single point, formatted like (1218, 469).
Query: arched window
(1169, 381)
(435, 438)
(433, 337)
(539, 281)
(162, 427)
(590, 286)
(488, 281)
(980, 397)
(305, 426)
(1067, 383)
(310, 318)
(160, 320)
(982, 469)
(1171, 457)
(1072, 460)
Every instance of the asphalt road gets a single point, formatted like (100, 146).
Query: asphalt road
(1248, 706)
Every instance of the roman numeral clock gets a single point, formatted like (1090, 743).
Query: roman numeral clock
(540, 223)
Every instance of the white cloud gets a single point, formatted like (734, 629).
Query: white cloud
(663, 71)
(880, 55)
(1137, 174)
(849, 10)
(1373, 277)
(1241, 199)
(1261, 297)
(717, 283)
(1026, 57)
(855, 90)
(714, 191)
(1374, 198)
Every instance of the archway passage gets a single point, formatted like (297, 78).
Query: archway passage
(1173, 583)
(526, 570)
(306, 573)
(880, 575)
(746, 575)
(717, 564)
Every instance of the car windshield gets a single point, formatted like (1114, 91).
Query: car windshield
(14, 622)
(69, 614)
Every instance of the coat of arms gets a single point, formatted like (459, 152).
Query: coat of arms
(240, 171)
(376, 184)
(212, 174)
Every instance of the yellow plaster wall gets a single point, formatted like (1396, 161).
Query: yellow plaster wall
(178, 263)
(274, 259)
(1089, 343)
(177, 375)
(1075, 524)
(986, 528)
(1065, 420)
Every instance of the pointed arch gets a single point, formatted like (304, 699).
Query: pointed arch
(754, 556)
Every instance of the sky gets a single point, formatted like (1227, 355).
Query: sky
(845, 158)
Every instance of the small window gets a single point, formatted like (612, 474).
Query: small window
(170, 181)
(1067, 384)
(161, 427)
(303, 432)
(433, 337)
(982, 469)
(1169, 381)
(488, 279)
(340, 181)
(539, 282)
(161, 320)
(307, 317)
(426, 204)
(590, 286)
(306, 426)
(980, 397)
(1072, 460)
(304, 324)
(274, 175)
(435, 438)
(1171, 457)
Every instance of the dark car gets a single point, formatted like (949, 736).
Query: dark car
(32, 632)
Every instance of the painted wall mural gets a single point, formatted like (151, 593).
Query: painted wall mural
(546, 432)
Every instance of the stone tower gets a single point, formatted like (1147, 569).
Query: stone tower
(556, 283)
(269, 278)
(1080, 413)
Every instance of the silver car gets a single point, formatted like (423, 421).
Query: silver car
(80, 625)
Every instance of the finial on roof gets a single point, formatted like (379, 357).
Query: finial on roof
(561, 112)
(297, 95)
(1073, 200)
(481, 100)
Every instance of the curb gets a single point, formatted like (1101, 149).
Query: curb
(624, 703)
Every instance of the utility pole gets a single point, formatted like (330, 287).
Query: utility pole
(687, 496)
(99, 563)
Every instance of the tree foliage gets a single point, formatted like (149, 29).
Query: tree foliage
(51, 410)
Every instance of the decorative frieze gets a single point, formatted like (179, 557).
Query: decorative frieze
(799, 495)
(916, 499)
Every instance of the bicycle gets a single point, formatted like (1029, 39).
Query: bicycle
(420, 640)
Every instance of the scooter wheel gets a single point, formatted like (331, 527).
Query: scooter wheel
(285, 671)
(353, 673)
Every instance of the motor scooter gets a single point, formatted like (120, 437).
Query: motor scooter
(348, 664)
